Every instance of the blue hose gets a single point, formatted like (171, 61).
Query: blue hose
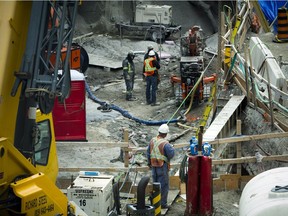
(125, 113)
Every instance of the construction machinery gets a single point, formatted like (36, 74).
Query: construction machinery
(191, 68)
(152, 21)
(31, 32)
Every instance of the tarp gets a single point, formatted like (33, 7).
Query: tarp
(270, 10)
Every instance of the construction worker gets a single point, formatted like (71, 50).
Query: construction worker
(159, 154)
(149, 48)
(129, 74)
(151, 66)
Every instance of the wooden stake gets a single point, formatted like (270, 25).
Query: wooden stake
(270, 101)
(252, 80)
(238, 145)
(126, 152)
(246, 73)
(221, 20)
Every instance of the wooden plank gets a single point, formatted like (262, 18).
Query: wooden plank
(96, 60)
(82, 36)
(261, 16)
(91, 144)
(249, 138)
(251, 159)
(231, 182)
(182, 188)
(174, 182)
(225, 140)
(238, 145)
(111, 169)
(222, 118)
(126, 151)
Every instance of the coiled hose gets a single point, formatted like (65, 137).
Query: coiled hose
(125, 113)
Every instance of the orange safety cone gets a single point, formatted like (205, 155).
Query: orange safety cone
(282, 20)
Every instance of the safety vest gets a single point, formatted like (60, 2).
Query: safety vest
(157, 156)
(128, 67)
(149, 68)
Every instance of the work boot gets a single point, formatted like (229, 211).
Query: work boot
(165, 206)
(132, 99)
(155, 104)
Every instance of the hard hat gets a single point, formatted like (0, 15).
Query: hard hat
(151, 53)
(130, 53)
(150, 47)
(163, 129)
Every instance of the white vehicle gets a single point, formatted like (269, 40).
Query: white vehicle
(152, 21)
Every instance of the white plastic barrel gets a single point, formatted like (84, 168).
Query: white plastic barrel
(260, 198)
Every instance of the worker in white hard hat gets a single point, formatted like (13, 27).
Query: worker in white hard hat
(150, 68)
(149, 48)
(129, 75)
(159, 154)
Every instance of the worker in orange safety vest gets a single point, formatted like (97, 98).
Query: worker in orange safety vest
(159, 154)
(150, 68)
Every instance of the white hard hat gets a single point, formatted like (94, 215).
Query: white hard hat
(151, 53)
(163, 129)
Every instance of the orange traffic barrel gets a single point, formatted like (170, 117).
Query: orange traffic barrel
(282, 22)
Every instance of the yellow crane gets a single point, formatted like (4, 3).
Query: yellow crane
(31, 32)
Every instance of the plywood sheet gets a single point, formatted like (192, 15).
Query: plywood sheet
(96, 60)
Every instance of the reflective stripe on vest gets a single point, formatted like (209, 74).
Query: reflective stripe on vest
(149, 69)
(128, 68)
(157, 156)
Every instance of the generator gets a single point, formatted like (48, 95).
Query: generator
(153, 14)
(93, 194)
(154, 22)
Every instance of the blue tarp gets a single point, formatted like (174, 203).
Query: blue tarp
(270, 10)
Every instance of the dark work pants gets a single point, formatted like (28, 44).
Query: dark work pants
(129, 87)
(161, 175)
(151, 88)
